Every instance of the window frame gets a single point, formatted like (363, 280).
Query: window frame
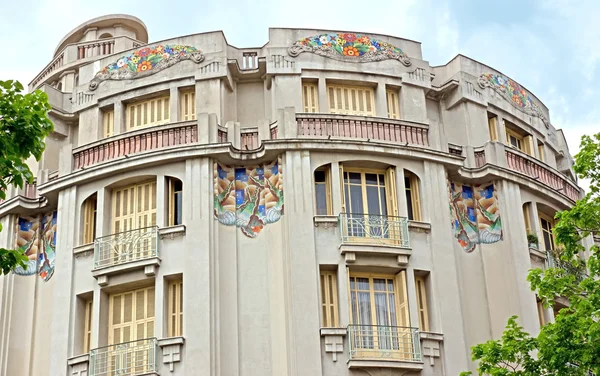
(520, 140)
(310, 103)
(187, 103)
(175, 308)
(422, 302)
(172, 208)
(145, 106)
(90, 210)
(393, 103)
(148, 320)
(328, 196)
(344, 93)
(108, 122)
(329, 299)
(87, 326)
(541, 152)
(551, 223)
(413, 189)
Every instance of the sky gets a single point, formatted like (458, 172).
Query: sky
(548, 46)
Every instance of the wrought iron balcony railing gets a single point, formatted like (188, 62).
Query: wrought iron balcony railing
(553, 261)
(369, 228)
(129, 358)
(384, 342)
(124, 247)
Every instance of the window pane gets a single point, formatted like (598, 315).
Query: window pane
(356, 199)
(371, 178)
(409, 205)
(321, 198)
(373, 200)
(320, 176)
(353, 177)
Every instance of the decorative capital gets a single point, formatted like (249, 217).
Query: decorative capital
(351, 47)
(513, 93)
(145, 62)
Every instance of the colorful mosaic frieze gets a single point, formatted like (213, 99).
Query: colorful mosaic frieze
(475, 214)
(36, 237)
(513, 93)
(349, 47)
(248, 197)
(146, 61)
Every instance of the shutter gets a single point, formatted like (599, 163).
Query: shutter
(403, 315)
(392, 104)
(422, 303)
(350, 100)
(87, 332)
(527, 218)
(390, 187)
(147, 113)
(493, 126)
(108, 123)
(131, 316)
(342, 188)
(329, 198)
(134, 207)
(175, 315)
(528, 145)
(188, 105)
(329, 303)
(310, 97)
(541, 152)
(89, 220)
(415, 195)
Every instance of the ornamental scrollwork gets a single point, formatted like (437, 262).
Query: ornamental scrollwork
(145, 62)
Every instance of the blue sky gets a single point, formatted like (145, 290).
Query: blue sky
(548, 46)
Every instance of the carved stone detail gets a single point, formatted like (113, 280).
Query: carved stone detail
(171, 351)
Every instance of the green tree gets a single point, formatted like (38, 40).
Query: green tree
(24, 124)
(571, 344)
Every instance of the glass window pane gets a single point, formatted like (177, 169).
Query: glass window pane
(321, 199)
(320, 176)
(356, 199)
(373, 200)
(354, 177)
(371, 178)
(409, 205)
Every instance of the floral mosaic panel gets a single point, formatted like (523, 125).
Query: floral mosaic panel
(248, 197)
(512, 92)
(146, 61)
(349, 47)
(36, 237)
(475, 214)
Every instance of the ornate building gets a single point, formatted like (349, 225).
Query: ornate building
(327, 204)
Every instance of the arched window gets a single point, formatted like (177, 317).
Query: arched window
(413, 196)
(323, 205)
(89, 208)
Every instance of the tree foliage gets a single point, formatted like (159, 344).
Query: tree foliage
(571, 344)
(24, 124)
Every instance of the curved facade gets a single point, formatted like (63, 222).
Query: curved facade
(327, 204)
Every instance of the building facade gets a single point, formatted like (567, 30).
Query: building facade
(327, 204)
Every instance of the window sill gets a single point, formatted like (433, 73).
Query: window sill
(83, 250)
(385, 363)
(418, 226)
(326, 220)
(149, 265)
(171, 231)
(333, 332)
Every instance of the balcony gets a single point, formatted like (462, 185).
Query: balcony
(553, 261)
(129, 358)
(384, 346)
(361, 127)
(126, 247)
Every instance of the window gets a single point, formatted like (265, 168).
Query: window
(493, 127)
(131, 316)
(392, 104)
(369, 191)
(87, 328)
(323, 191)
(134, 207)
(413, 202)
(310, 97)
(89, 219)
(351, 100)
(151, 112)
(329, 299)
(108, 123)
(187, 101)
(175, 317)
(518, 141)
(422, 303)
(379, 315)
(546, 224)
(542, 157)
(175, 201)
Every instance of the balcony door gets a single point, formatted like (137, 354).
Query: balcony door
(379, 316)
(369, 203)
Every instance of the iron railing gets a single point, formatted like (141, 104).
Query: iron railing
(127, 246)
(129, 358)
(384, 342)
(553, 261)
(369, 228)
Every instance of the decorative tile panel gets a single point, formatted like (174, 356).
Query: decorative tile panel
(513, 93)
(36, 238)
(349, 47)
(145, 62)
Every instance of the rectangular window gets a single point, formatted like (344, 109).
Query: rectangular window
(329, 299)
(310, 97)
(108, 122)
(175, 305)
(350, 100)
(89, 220)
(147, 113)
(493, 127)
(323, 191)
(131, 316)
(411, 186)
(546, 224)
(514, 140)
(187, 101)
(134, 207)
(527, 218)
(87, 329)
(175, 201)
(422, 303)
(392, 104)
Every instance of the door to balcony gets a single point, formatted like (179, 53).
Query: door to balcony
(380, 326)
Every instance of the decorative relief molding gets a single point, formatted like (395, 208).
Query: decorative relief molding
(513, 93)
(430, 344)
(418, 226)
(349, 47)
(418, 74)
(145, 62)
(171, 350)
(78, 365)
(326, 221)
(334, 341)
(279, 61)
